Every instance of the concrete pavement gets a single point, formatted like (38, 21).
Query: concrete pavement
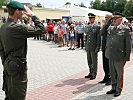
(58, 74)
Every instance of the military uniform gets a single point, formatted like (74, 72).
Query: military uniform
(13, 51)
(92, 47)
(103, 33)
(118, 48)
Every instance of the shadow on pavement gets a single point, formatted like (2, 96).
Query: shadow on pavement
(64, 50)
(93, 92)
(73, 82)
(83, 88)
(98, 97)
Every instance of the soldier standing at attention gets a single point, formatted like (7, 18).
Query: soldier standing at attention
(118, 49)
(92, 46)
(13, 49)
(104, 32)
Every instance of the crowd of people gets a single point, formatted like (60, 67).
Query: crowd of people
(71, 34)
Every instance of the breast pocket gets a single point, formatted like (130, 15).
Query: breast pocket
(121, 36)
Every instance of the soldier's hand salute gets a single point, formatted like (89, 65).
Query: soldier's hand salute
(28, 12)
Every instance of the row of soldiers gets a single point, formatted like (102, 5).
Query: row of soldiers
(116, 49)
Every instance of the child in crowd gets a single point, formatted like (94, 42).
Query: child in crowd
(72, 37)
(60, 36)
(55, 33)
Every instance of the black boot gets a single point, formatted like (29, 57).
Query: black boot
(88, 76)
(103, 81)
(111, 91)
(117, 93)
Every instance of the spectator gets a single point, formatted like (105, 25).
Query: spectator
(60, 36)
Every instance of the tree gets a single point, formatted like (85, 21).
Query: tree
(128, 10)
(2, 3)
(82, 5)
(109, 5)
(96, 4)
(39, 5)
(103, 6)
(120, 5)
(67, 3)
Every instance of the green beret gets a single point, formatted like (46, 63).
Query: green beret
(15, 5)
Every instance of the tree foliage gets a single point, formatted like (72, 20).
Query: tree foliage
(2, 3)
(128, 11)
(96, 4)
(67, 3)
(82, 5)
(39, 5)
(109, 5)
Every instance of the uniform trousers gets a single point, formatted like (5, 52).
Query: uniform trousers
(117, 73)
(92, 62)
(105, 66)
(15, 81)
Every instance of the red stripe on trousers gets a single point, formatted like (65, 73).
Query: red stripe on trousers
(122, 78)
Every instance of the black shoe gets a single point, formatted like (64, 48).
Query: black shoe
(69, 49)
(88, 76)
(73, 49)
(103, 81)
(108, 82)
(78, 47)
(111, 91)
(117, 93)
(92, 77)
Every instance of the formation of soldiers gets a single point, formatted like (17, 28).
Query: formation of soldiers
(116, 48)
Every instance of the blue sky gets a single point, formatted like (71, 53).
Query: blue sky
(55, 3)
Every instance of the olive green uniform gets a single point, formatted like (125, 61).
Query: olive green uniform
(118, 48)
(92, 47)
(13, 51)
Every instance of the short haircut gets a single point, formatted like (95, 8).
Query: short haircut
(11, 11)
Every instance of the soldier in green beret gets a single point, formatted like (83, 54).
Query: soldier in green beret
(118, 49)
(13, 49)
(92, 46)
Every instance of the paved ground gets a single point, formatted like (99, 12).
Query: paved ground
(58, 74)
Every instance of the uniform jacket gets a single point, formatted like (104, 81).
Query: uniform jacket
(103, 33)
(118, 46)
(13, 37)
(93, 37)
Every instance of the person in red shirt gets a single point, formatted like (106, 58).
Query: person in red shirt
(50, 30)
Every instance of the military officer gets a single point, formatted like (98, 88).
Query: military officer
(108, 21)
(118, 48)
(92, 46)
(13, 49)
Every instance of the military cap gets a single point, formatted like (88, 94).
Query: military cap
(90, 15)
(15, 5)
(117, 15)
